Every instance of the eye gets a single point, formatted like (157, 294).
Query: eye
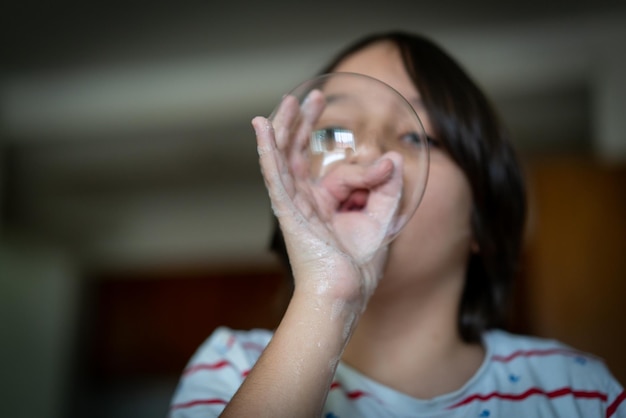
(433, 142)
(413, 138)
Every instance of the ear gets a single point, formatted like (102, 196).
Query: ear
(474, 247)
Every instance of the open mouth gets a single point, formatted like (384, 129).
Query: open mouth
(356, 201)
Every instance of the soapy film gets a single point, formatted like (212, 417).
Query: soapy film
(358, 161)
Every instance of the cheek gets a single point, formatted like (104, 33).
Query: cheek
(437, 240)
(449, 202)
(444, 215)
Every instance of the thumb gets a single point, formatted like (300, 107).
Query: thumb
(345, 178)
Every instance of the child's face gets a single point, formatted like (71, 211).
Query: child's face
(436, 242)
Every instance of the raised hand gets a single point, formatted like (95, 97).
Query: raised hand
(335, 227)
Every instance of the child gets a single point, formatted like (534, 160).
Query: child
(415, 331)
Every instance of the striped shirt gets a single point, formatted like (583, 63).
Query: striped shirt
(519, 377)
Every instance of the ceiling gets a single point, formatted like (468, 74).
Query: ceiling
(125, 126)
(42, 35)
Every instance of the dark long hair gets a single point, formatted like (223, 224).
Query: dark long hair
(471, 133)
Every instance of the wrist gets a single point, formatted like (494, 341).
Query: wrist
(329, 321)
(331, 285)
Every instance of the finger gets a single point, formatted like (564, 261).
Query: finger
(285, 121)
(312, 108)
(263, 130)
(385, 200)
(271, 168)
(288, 206)
(310, 112)
(346, 178)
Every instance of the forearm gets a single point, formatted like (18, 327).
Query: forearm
(294, 373)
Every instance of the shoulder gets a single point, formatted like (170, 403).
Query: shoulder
(216, 370)
(229, 351)
(503, 343)
(233, 344)
(550, 367)
(547, 357)
(507, 347)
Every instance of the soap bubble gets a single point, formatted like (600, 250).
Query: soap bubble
(350, 125)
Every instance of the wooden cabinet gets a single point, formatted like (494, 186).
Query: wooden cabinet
(575, 278)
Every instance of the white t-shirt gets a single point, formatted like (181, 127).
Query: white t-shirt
(519, 377)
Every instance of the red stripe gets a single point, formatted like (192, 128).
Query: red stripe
(214, 366)
(516, 397)
(203, 366)
(616, 403)
(354, 395)
(530, 353)
(198, 402)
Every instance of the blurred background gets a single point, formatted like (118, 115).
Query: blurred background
(134, 219)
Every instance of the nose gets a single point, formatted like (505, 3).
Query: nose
(369, 146)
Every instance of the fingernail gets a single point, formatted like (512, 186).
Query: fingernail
(254, 124)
